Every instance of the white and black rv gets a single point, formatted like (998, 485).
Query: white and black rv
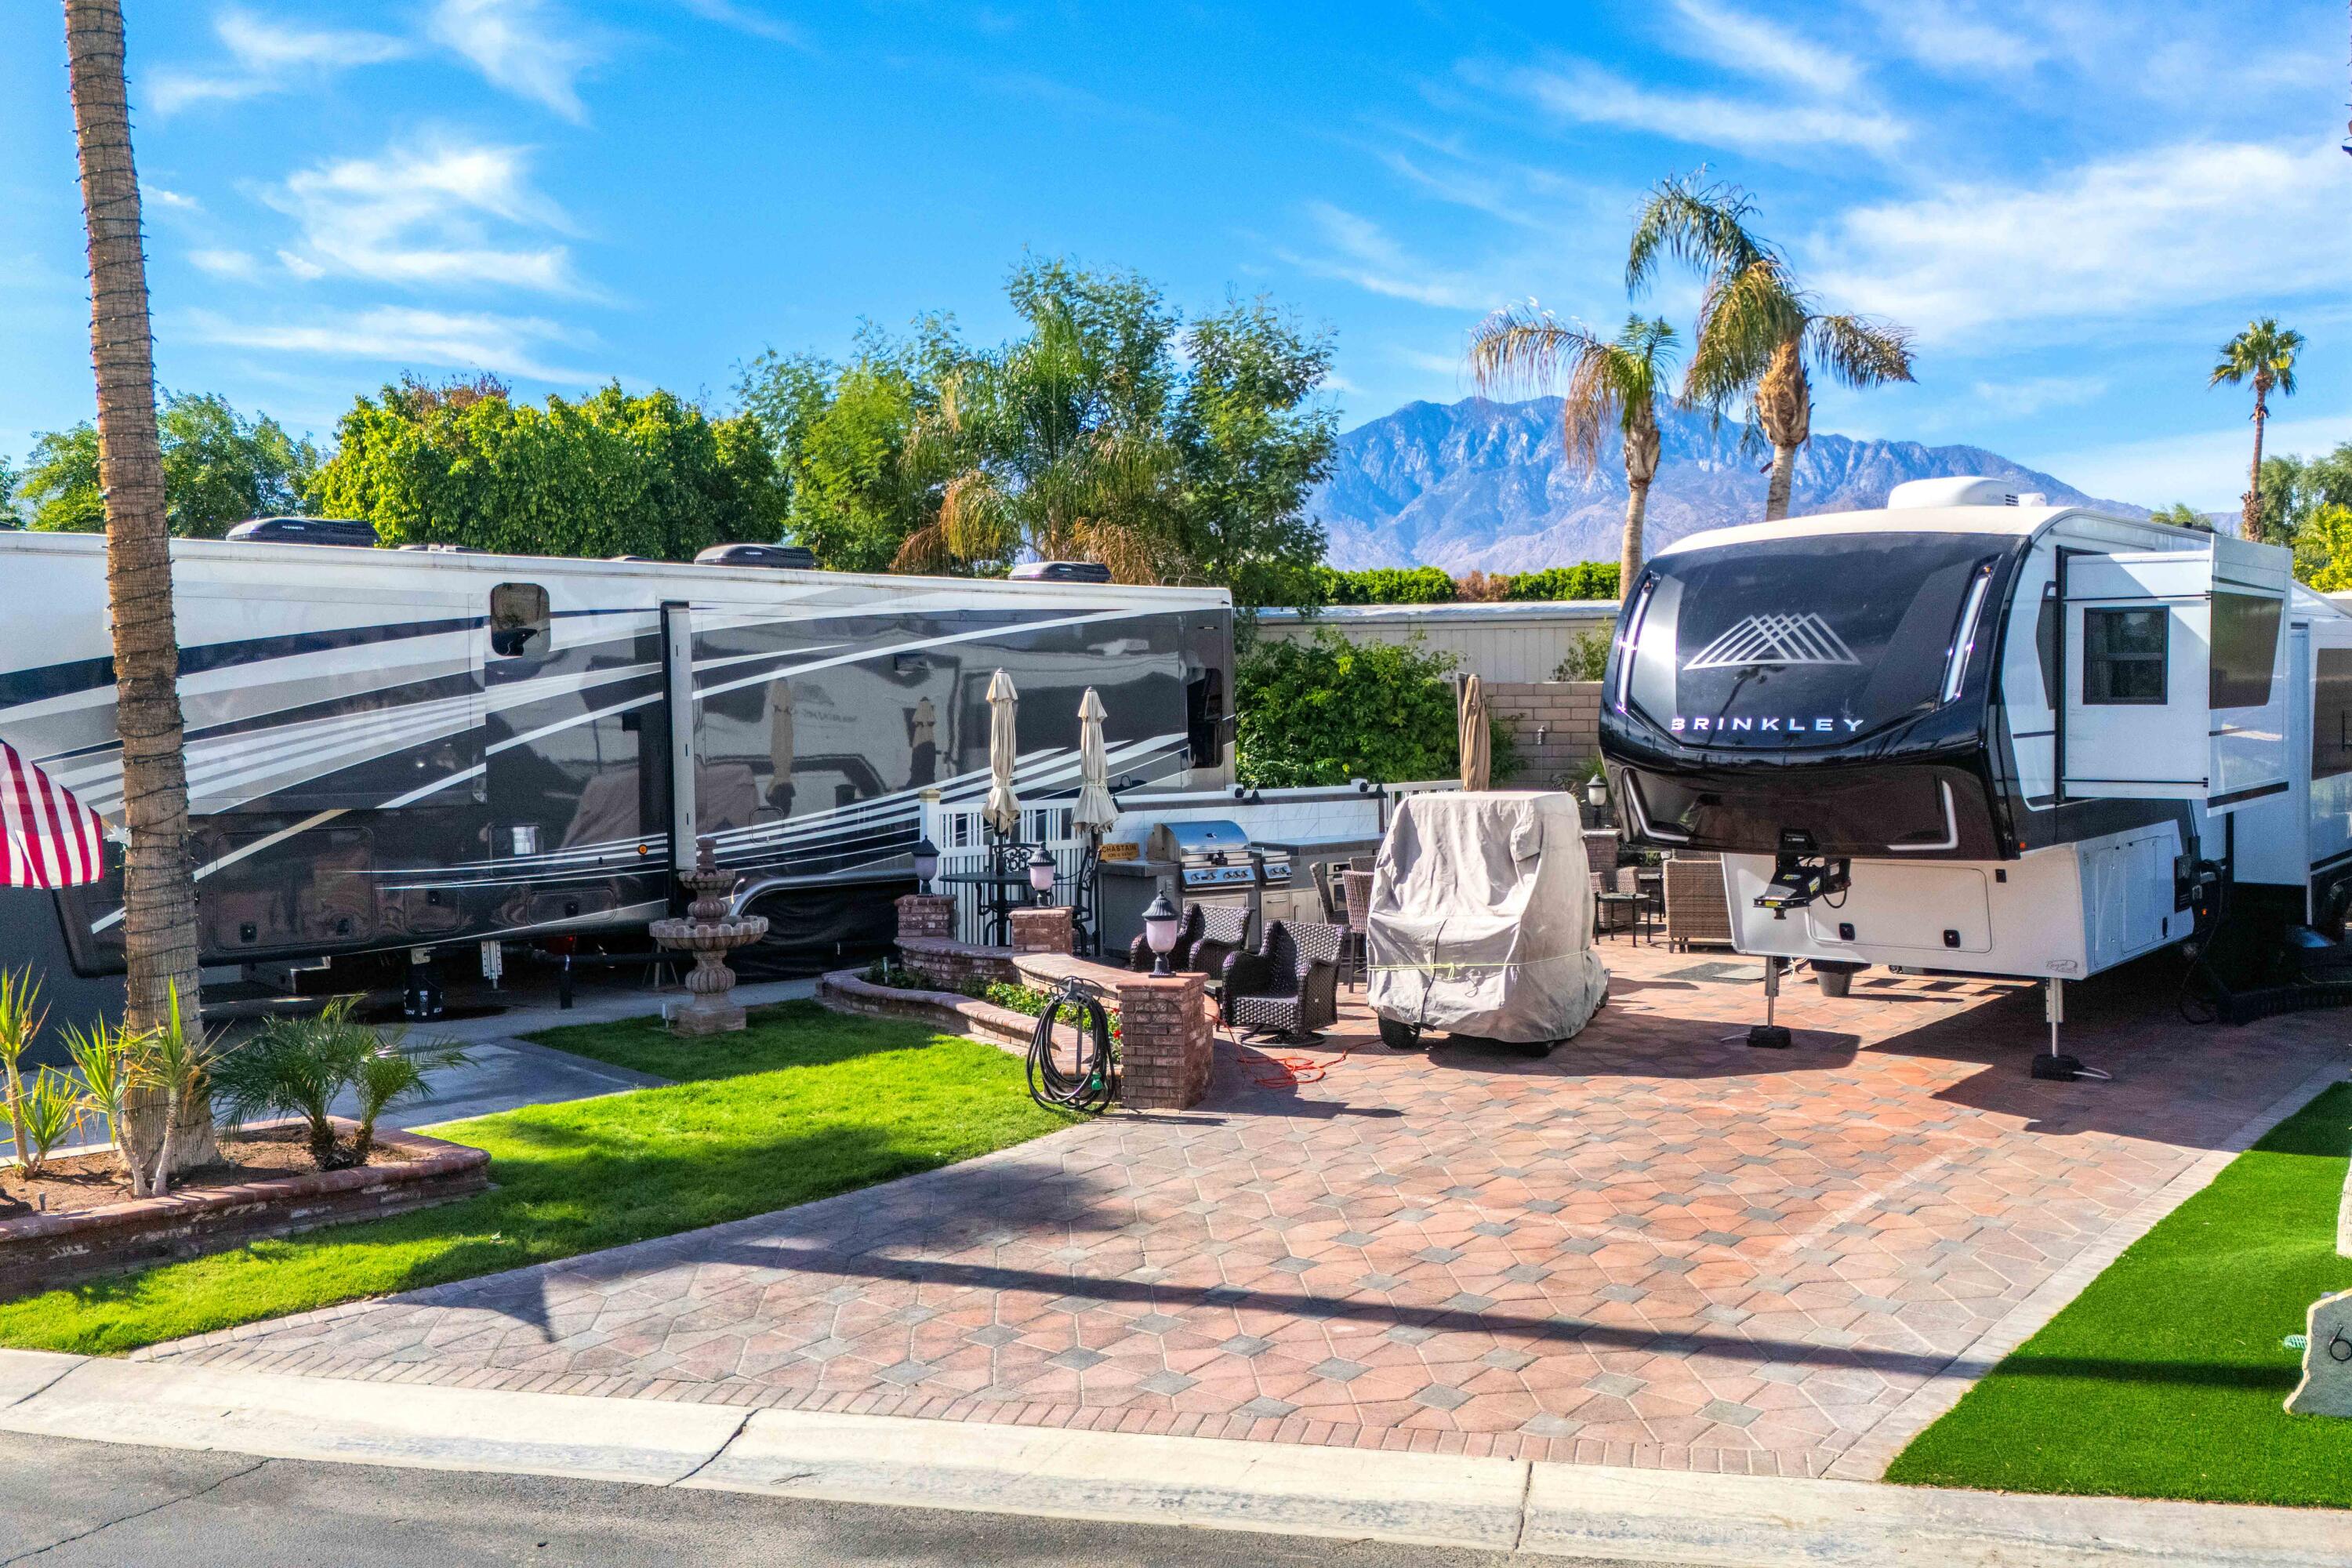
(1977, 732)
(401, 748)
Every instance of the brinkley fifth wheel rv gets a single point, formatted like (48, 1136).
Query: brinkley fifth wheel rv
(398, 749)
(1977, 732)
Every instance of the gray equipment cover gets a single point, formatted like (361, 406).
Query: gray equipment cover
(1482, 916)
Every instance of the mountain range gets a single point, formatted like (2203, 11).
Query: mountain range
(1486, 485)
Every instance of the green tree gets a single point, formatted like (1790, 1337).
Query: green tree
(1384, 585)
(1610, 386)
(1107, 429)
(2263, 353)
(1585, 580)
(461, 463)
(2323, 549)
(219, 468)
(1761, 335)
(845, 438)
(10, 517)
(2180, 514)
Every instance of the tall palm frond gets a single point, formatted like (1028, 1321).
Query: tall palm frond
(1744, 317)
(1860, 351)
(1705, 225)
(2264, 350)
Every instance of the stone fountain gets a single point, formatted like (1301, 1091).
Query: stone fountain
(709, 934)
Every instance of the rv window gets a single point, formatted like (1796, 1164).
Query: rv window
(519, 623)
(2123, 656)
(2245, 644)
(2331, 714)
(1204, 712)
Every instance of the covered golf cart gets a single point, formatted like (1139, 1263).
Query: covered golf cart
(1481, 922)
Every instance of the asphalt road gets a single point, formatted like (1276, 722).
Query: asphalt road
(66, 1505)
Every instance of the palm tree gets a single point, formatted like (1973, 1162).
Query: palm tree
(159, 892)
(1608, 383)
(1761, 335)
(2263, 353)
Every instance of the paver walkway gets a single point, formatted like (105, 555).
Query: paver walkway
(1658, 1247)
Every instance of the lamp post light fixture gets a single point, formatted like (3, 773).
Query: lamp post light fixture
(927, 863)
(1596, 793)
(1040, 871)
(1160, 926)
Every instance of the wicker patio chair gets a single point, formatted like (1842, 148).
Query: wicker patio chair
(1209, 935)
(1357, 886)
(1697, 909)
(1290, 985)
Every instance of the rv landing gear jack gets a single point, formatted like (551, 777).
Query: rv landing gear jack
(1768, 1035)
(2056, 1063)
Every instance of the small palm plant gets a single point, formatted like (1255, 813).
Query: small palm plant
(21, 1016)
(45, 1113)
(300, 1067)
(2265, 355)
(102, 1055)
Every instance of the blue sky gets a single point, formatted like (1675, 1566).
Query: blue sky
(2072, 204)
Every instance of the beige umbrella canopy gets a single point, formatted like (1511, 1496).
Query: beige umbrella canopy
(1001, 811)
(1477, 757)
(1096, 811)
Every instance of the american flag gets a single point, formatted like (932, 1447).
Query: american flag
(47, 838)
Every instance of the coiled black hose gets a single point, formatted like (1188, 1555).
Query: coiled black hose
(1089, 1086)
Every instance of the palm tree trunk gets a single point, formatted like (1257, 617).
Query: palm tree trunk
(2250, 524)
(1784, 474)
(1629, 554)
(159, 894)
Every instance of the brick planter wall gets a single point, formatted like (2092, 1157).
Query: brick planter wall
(1165, 1042)
(949, 964)
(927, 914)
(1043, 930)
(44, 1251)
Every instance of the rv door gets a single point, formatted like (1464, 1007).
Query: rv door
(2170, 664)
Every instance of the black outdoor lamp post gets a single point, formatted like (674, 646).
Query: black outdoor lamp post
(1596, 794)
(1041, 872)
(927, 863)
(1160, 926)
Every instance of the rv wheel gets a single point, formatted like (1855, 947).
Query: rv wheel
(1397, 1036)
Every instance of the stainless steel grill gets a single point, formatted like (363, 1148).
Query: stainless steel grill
(1216, 856)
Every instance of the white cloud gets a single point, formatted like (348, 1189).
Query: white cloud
(267, 55)
(1946, 40)
(156, 195)
(511, 345)
(744, 19)
(1361, 252)
(2163, 229)
(1757, 47)
(1582, 93)
(237, 264)
(2031, 394)
(520, 45)
(2207, 468)
(423, 216)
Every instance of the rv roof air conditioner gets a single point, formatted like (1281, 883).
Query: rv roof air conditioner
(1915, 494)
(1060, 572)
(776, 557)
(343, 530)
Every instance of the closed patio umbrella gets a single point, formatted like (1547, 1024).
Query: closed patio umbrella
(1477, 757)
(1001, 811)
(1096, 811)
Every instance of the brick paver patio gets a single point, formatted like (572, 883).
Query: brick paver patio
(1658, 1248)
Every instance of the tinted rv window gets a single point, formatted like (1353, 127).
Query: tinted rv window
(2245, 644)
(2123, 656)
(519, 623)
(2331, 714)
(1812, 641)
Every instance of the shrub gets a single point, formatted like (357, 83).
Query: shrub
(1387, 586)
(1585, 580)
(1588, 657)
(298, 1066)
(1483, 587)
(1322, 710)
(170, 1068)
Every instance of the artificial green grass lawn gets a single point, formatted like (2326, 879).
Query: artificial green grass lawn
(2165, 1378)
(805, 1104)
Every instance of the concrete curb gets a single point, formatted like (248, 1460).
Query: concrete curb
(1425, 1500)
